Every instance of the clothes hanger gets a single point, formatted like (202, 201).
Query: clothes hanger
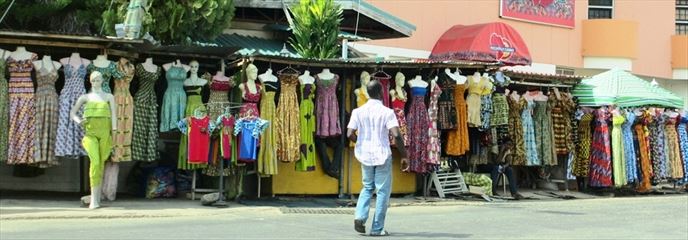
(381, 72)
(289, 70)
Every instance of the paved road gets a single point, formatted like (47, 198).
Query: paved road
(613, 218)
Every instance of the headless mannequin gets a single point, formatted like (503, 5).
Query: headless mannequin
(251, 75)
(418, 82)
(101, 61)
(177, 63)
(398, 92)
(331, 166)
(365, 79)
(21, 54)
(326, 74)
(75, 60)
(193, 79)
(149, 66)
(306, 78)
(476, 77)
(47, 64)
(96, 94)
(268, 76)
(515, 96)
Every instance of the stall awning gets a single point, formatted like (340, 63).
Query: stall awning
(488, 42)
(621, 88)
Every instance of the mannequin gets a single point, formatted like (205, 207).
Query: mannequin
(193, 79)
(326, 74)
(362, 92)
(433, 82)
(149, 66)
(268, 76)
(100, 117)
(48, 63)
(456, 76)
(476, 77)
(515, 96)
(21, 54)
(306, 78)
(101, 61)
(398, 92)
(250, 84)
(75, 60)
(177, 63)
(418, 82)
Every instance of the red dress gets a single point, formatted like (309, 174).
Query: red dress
(199, 139)
(398, 107)
(250, 105)
(226, 136)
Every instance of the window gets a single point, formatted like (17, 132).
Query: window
(601, 9)
(682, 17)
(565, 71)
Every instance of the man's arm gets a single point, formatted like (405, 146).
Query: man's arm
(399, 143)
(351, 134)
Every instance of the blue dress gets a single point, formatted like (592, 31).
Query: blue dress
(683, 141)
(532, 158)
(629, 148)
(250, 130)
(174, 101)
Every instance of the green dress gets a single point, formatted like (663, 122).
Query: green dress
(145, 136)
(619, 164)
(307, 125)
(4, 114)
(193, 101)
(108, 72)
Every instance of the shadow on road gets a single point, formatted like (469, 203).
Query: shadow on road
(429, 235)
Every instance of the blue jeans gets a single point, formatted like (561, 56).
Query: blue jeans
(380, 178)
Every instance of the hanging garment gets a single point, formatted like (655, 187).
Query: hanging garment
(327, 111)
(267, 155)
(4, 110)
(434, 149)
(22, 111)
(219, 95)
(384, 81)
(47, 115)
(457, 140)
(683, 141)
(144, 140)
(125, 113)
(249, 108)
(618, 160)
(97, 140)
(582, 166)
(473, 101)
(174, 101)
(250, 128)
(674, 149)
(69, 133)
(398, 106)
(418, 123)
(657, 150)
(562, 109)
(447, 114)
(226, 123)
(518, 152)
(306, 161)
(362, 98)
(600, 154)
(109, 72)
(529, 140)
(500, 110)
(287, 120)
(224, 147)
(629, 148)
(485, 112)
(544, 138)
(198, 132)
(194, 101)
(644, 150)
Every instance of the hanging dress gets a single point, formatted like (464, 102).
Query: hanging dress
(22, 103)
(174, 100)
(618, 160)
(683, 142)
(473, 101)
(47, 115)
(600, 154)
(193, 102)
(418, 123)
(582, 166)
(109, 72)
(486, 104)
(642, 133)
(674, 149)
(287, 120)
(629, 148)
(529, 140)
(251, 129)
(447, 116)
(385, 82)
(4, 110)
(306, 162)
(434, 149)
(457, 140)
(144, 140)
(562, 109)
(267, 155)
(500, 106)
(544, 138)
(125, 113)
(398, 105)
(361, 98)
(69, 133)
(518, 151)
(219, 95)
(250, 105)
(657, 150)
(327, 110)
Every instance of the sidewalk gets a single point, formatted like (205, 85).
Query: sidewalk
(26, 209)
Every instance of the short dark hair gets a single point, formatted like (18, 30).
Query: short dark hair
(374, 89)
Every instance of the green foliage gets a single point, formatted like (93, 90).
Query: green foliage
(315, 28)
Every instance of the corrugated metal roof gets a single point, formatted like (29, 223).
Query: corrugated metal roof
(250, 45)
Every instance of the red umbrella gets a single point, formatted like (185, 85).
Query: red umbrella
(488, 42)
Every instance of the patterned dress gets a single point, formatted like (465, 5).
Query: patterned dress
(629, 148)
(125, 113)
(108, 72)
(518, 153)
(457, 140)
(674, 153)
(174, 100)
(398, 106)
(529, 139)
(683, 139)
(384, 81)
(47, 115)
(145, 137)
(434, 149)
(287, 120)
(544, 133)
(219, 95)
(600, 154)
(643, 134)
(657, 150)
(22, 111)
(193, 102)
(69, 133)
(267, 154)
(307, 121)
(4, 111)
(562, 109)
(418, 122)
(327, 111)
(618, 160)
(250, 104)
(447, 114)
(582, 166)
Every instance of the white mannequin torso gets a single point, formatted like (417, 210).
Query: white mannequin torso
(101, 61)
(306, 78)
(326, 74)
(267, 76)
(177, 63)
(46, 64)
(149, 66)
(75, 60)
(194, 80)
(418, 82)
(21, 54)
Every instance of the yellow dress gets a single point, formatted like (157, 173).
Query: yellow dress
(473, 101)
(287, 120)
(361, 99)
(457, 140)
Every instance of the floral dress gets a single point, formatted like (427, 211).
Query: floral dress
(544, 133)
(683, 139)
(145, 134)
(418, 122)
(529, 139)
(657, 151)
(629, 148)
(434, 149)
(674, 150)
(22, 111)
(327, 111)
(109, 72)
(250, 104)
(644, 150)
(518, 152)
(287, 120)
(600, 154)
(398, 106)
(306, 161)
(47, 115)
(69, 133)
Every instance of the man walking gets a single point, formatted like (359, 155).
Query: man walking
(374, 123)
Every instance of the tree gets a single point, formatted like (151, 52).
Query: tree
(316, 28)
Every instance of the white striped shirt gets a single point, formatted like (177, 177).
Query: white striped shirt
(373, 122)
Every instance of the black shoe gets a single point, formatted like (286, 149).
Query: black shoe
(517, 196)
(359, 226)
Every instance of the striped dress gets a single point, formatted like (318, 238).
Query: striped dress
(22, 111)
(47, 116)
(600, 154)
